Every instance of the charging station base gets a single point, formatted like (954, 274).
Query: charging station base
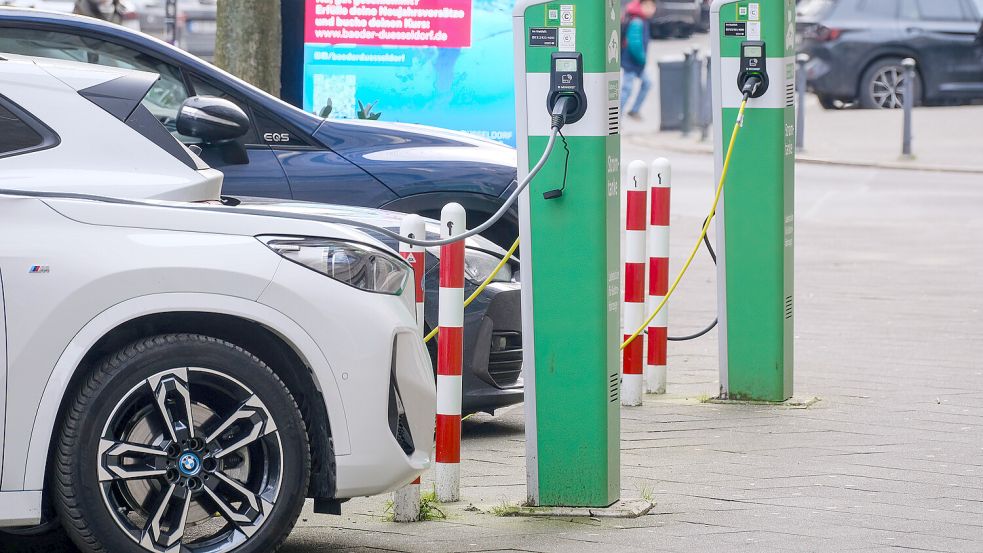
(626, 508)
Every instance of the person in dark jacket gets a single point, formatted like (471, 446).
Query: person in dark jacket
(634, 53)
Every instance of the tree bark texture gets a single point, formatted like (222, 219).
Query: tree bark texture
(247, 42)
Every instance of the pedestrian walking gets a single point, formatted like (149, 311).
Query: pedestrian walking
(635, 36)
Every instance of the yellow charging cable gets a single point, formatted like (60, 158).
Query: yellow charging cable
(706, 227)
(482, 286)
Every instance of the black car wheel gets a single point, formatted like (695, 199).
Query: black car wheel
(181, 443)
(46, 538)
(828, 102)
(882, 85)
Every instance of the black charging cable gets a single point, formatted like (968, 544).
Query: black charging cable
(563, 106)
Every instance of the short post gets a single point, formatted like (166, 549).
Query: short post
(170, 21)
(633, 314)
(801, 84)
(706, 105)
(909, 104)
(658, 253)
(695, 88)
(406, 500)
(687, 95)
(450, 351)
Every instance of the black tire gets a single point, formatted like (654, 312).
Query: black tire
(828, 102)
(881, 85)
(124, 383)
(49, 538)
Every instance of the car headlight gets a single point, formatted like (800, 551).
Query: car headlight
(351, 263)
(478, 265)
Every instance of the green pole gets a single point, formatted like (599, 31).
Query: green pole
(570, 255)
(755, 222)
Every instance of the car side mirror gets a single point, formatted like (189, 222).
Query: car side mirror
(217, 122)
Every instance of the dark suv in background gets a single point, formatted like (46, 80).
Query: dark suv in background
(856, 48)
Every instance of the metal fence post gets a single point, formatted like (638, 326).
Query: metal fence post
(687, 95)
(706, 105)
(909, 105)
(695, 87)
(801, 83)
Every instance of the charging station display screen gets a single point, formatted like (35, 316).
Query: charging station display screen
(752, 51)
(431, 62)
(566, 65)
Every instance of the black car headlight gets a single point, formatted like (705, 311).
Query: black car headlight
(351, 263)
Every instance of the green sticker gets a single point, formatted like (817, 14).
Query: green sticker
(552, 15)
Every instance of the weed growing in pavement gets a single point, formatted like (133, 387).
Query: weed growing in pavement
(429, 509)
(645, 492)
(505, 510)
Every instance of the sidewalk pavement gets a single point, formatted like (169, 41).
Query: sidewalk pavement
(889, 309)
(944, 138)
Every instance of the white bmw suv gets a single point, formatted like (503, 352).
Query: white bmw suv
(177, 375)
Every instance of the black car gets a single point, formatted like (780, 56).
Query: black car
(856, 48)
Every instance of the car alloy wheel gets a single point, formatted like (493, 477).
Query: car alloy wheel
(168, 461)
(181, 443)
(887, 88)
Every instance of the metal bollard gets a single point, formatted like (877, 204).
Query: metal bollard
(687, 122)
(633, 314)
(801, 83)
(406, 500)
(909, 105)
(450, 350)
(658, 253)
(706, 105)
(695, 88)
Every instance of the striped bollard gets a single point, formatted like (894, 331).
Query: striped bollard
(633, 314)
(658, 253)
(450, 351)
(406, 500)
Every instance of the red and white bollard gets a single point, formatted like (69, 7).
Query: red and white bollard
(633, 314)
(406, 500)
(658, 253)
(450, 351)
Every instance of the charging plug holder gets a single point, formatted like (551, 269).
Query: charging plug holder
(753, 64)
(567, 79)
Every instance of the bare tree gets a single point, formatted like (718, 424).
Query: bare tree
(247, 43)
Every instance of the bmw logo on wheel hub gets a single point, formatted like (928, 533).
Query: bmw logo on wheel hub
(189, 463)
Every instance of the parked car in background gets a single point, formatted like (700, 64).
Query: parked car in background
(677, 18)
(195, 26)
(288, 153)
(856, 48)
(122, 12)
(180, 375)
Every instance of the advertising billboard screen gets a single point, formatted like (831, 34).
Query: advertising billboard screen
(446, 63)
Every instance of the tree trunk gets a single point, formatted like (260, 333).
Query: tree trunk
(247, 43)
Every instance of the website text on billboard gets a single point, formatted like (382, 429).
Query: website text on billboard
(443, 23)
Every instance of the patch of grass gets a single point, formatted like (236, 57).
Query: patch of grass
(645, 492)
(429, 507)
(505, 510)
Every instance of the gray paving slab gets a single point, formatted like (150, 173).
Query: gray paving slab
(890, 303)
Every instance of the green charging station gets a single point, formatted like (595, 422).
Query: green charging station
(569, 235)
(755, 219)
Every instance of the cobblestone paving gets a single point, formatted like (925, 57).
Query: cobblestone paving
(889, 297)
